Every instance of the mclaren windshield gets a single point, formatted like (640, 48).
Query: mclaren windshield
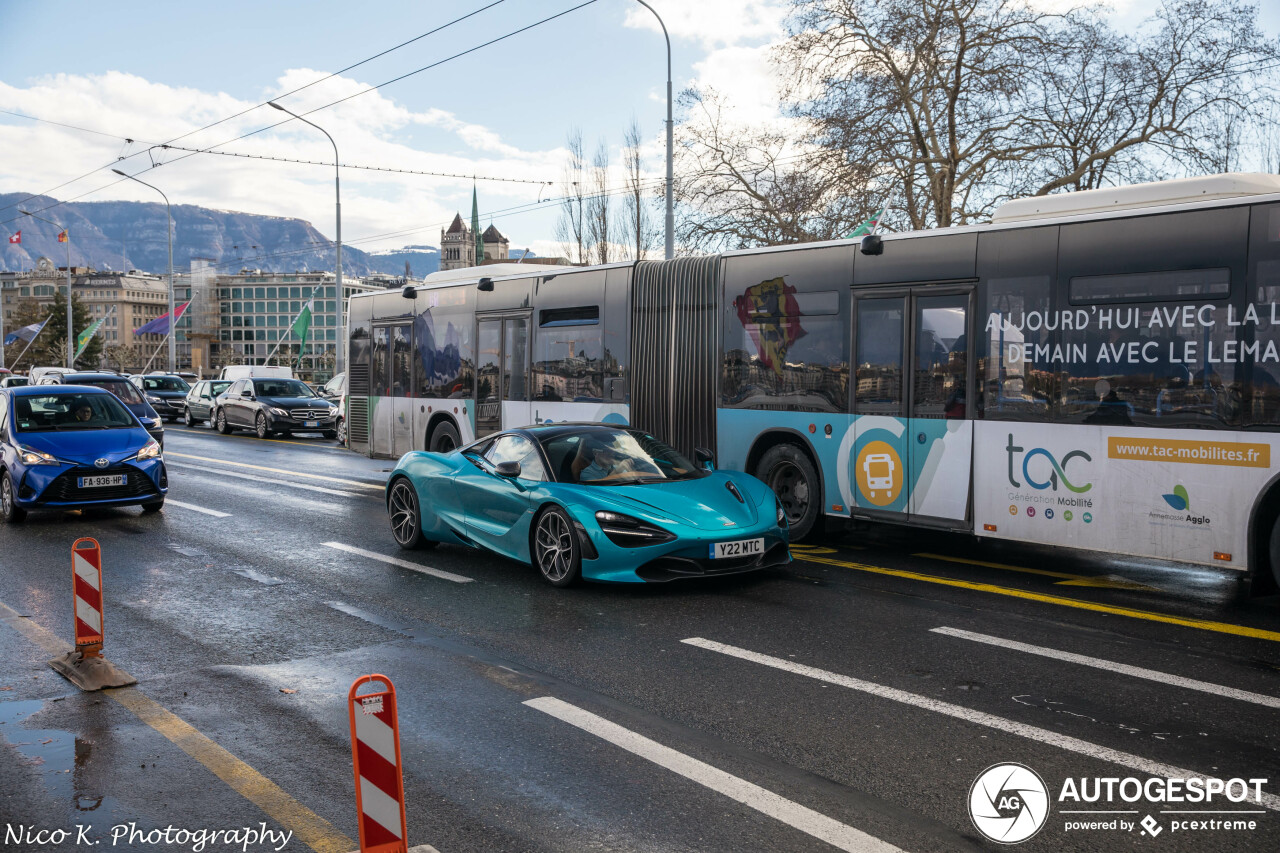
(600, 456)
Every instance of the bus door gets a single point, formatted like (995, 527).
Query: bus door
(913, 437)
(391, 433)
(502, 373)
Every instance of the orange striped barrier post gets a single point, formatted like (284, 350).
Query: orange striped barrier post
(85, 666)
(375, 751)
(86, 574)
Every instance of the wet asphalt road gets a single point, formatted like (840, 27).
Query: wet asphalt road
(822, 698)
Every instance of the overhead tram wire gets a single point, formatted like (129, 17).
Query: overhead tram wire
(119, 160)
(339, 101)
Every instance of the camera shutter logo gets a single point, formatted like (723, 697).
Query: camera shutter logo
(1009, 803)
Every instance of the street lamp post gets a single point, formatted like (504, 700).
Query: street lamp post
(339, 360)
(71, 338)
(671, 218)
(173, 323)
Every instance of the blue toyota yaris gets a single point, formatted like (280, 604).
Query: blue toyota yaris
(71, 446)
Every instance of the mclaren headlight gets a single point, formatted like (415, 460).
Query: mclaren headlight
(36, 457)
(627, 532)
(781, 513)
(151, 451)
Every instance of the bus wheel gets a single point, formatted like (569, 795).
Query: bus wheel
(444, 439)
(1273, 551)
(787, 470)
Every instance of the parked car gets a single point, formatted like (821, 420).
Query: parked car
(12, 381)
(128, 394)
(200, 400)
(592, 501)
(70, 446)
(167, 393)
(45, 375)
(335, 391)
(270, 406)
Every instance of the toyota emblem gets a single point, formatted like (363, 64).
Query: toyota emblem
(101, 463)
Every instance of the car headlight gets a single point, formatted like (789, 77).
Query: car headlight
(151, 451)
(36, 457)
(628, 532)
(155, 401)
(781, 513)
(279, 413)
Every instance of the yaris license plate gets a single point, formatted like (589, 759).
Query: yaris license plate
(101, 480)
(741, 548)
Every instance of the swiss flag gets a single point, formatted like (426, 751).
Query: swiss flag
(16, 238)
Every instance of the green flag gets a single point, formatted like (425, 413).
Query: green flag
(82, 340)
(868, 226)
(302, 325)
(475, 227)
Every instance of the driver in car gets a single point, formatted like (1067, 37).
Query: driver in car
(605, 462)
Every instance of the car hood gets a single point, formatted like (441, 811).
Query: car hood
(83, 447)
(295, 402)
(705, 503)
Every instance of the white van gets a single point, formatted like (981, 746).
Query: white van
(256, 371)
(40, 375)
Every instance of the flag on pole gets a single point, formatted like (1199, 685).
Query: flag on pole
(62, 236)
(160, 325)
(475, 227)
(26, 333)
(868, 226)
(15, 238)
(82, 340)
(302, 325)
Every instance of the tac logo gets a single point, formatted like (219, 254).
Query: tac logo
(878, 470)
(1179, 500)
(1008, 803)
(1056, 473)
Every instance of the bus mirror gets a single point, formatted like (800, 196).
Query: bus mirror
(486, 284)
(872, 245)
(409, 291)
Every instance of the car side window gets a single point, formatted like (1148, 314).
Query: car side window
(517, 448)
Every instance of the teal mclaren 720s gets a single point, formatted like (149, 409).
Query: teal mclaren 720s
(594, 501)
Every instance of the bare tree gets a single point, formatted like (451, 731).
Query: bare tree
(752, 187)
(599, 210)
(571, 227)
(641, 234)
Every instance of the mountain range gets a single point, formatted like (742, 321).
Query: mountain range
(116, 235)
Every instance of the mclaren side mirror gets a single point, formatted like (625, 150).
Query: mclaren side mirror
(510, 470)
(705, 458)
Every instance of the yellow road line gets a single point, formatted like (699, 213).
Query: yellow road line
(1201, 624)
(1004, 566)
(376, 487)
(307, 826)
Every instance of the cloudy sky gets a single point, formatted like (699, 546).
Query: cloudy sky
(138, 70)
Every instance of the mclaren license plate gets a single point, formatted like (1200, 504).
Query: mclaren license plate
(741, 548)
(102, 480)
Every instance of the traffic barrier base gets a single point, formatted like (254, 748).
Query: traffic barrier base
(90, 673)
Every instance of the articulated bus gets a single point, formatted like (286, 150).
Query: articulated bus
(1097, 370)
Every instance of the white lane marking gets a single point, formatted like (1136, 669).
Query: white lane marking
(194, 508)
(364, 484)
(404, 564)
(1112, 666)
(808, 821)
(1061, 741)
(779, 808)
(183, 466)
